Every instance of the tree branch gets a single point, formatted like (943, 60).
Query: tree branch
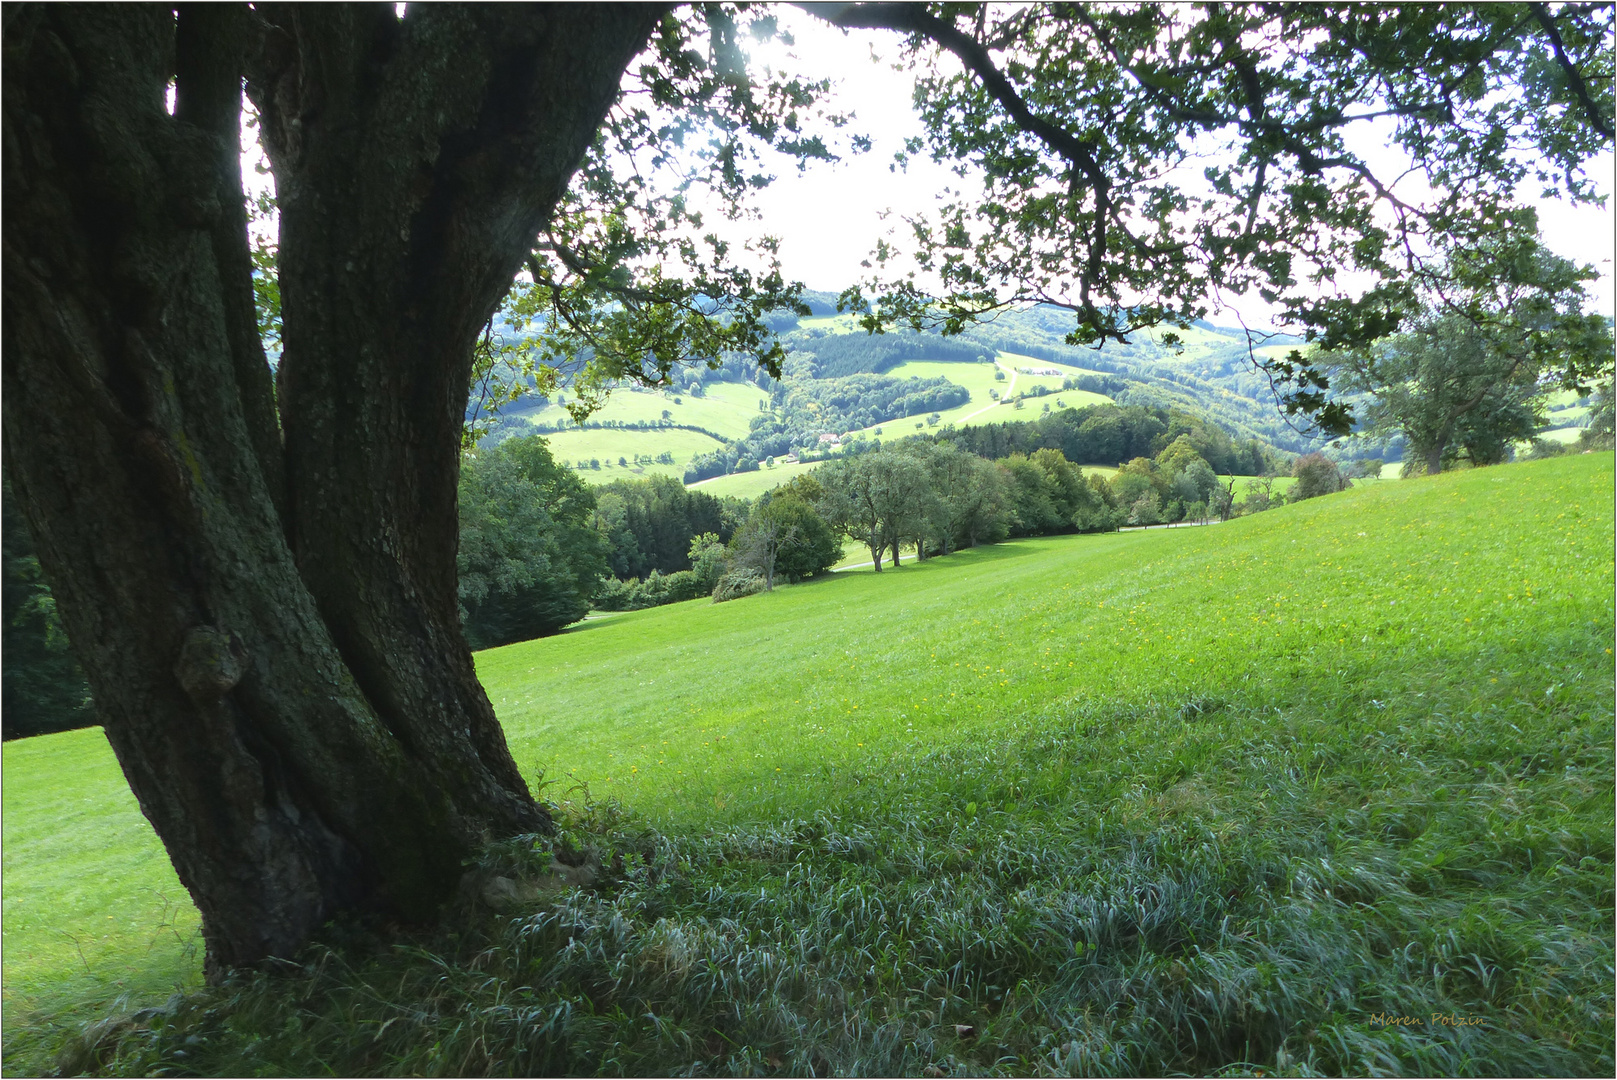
(211, 41)
(915, 19)
(1574, 78)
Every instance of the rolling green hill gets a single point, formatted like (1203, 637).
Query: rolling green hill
(1208, 373)
(1192, 800)
(724, 409)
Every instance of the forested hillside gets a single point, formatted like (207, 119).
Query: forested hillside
(838, 379)
(811, 408)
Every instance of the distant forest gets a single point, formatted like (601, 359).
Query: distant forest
(809, 408)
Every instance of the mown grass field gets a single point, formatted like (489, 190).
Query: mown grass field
(725, 408)
(1194, 800)
(93, 910)
(1239, 608)
(978, 379)
(1566, 435)
(750, 485)
(609, 444)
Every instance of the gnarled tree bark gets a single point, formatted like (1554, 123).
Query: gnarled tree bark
(260, 579)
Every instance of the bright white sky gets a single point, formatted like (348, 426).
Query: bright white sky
(830, 217)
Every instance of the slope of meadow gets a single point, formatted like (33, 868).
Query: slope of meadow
(1193, 800)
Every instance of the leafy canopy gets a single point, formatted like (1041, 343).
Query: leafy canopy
(1141, 159)
(1338, 161)
(1498, 327)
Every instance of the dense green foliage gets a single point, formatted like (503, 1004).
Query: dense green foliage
(1467, 380)
(780, 535)
(651, 523)
(1316, 475)
(839, 355)
(1049, 495)
(1089, 124)
(1208, 801)
(1108, 435)
(937, 498)
(45, 689)
(784, 538)
(530, 555)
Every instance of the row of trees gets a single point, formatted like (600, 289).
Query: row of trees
(936, 498)
(1109, 434)
(781, 538)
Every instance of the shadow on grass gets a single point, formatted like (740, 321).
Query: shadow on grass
(1008, 549)
(1005, 549)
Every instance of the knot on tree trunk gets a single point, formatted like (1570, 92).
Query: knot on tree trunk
(211, 662)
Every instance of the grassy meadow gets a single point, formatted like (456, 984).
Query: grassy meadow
(978, 379)
(725, 408)
(1218, 800)
(750, 485)
(93, 909)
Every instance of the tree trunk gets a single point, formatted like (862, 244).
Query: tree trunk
(895, 553)
(876, 546)
(771, 548)
(266, 604)
(1434, 458)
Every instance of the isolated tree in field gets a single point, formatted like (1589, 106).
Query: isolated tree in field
(1260, 496)
(1428, 383)
(1316, 475)
(1364, 469)
(1467, 379)
(257, 568)
(785, 537)
(1221, 501)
